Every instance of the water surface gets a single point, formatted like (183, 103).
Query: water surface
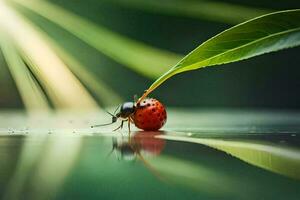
(238, 157)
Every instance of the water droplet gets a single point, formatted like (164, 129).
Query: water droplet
(189, 134)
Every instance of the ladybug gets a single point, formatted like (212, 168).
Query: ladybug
(148, 114)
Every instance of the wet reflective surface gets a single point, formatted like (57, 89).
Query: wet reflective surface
(39, 163)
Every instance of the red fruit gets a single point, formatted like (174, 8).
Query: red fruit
(150, 115)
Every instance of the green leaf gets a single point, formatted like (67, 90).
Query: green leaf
(208, 10)
(31, 94)
(255, 37)
(137, 56)
(46, 66)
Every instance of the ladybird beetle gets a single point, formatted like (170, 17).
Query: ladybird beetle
(148, 114)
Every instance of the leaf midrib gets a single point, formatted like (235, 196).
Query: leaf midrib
(245, 45)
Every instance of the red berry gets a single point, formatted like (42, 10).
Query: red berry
(150, 115)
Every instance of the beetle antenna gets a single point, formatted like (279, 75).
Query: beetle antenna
(110, 113)
(102, 124)
(117, 108)
(114, 119)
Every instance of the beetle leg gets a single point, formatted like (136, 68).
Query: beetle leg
(130, 120)
(122, 124)
(119, 127)
(129, 124)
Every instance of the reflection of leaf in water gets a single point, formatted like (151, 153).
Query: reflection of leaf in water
(279, 159)
(44, 162)
(197, 176)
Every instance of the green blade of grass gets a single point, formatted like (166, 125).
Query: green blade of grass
(61, 86)
(268, 33)
(101, 90)
(103, 93)
(33, 97)
(141, 58)
(207, 10)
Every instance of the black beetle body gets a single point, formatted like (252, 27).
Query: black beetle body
(126, 110)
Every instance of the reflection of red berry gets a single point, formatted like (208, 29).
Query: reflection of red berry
(150, 115)
(149, 143)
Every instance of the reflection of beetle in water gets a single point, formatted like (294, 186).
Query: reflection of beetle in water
(124, 150)
(141, 144)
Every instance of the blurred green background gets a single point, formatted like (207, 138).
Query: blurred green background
(86, 54)
(117, 48)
